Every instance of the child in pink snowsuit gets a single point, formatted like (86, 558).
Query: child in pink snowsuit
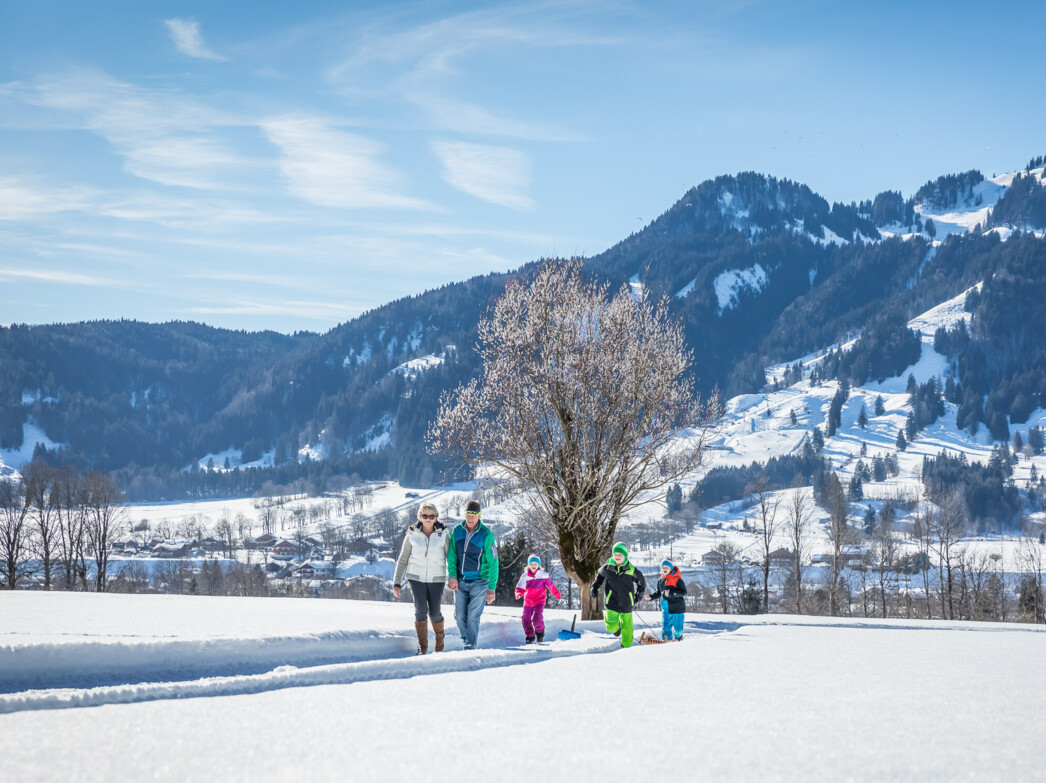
(532, 587)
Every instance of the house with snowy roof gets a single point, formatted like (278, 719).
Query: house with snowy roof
(284, 549)
(315, 569)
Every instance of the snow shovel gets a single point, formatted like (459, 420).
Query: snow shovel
(571, 634)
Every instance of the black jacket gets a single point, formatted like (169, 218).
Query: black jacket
(676, 593)
(624, 584)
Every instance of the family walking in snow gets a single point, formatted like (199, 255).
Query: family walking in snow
(465, 559)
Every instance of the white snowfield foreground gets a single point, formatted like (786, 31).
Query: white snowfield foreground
(214, 688)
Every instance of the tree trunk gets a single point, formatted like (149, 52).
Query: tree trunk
(591, 608)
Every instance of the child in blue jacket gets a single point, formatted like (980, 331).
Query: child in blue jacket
(671, 589)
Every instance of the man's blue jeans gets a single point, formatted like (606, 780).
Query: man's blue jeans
(469, 601)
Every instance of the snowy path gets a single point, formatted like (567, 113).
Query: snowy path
(293, 677)
(120, 649)
(775, 697)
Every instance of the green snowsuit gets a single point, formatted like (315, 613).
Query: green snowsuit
(624, 583)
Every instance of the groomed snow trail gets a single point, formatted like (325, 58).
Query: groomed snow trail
(293, 677)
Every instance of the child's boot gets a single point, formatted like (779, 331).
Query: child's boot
(530, 640)
(541, 636)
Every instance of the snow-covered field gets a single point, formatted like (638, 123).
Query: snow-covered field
(249, 689)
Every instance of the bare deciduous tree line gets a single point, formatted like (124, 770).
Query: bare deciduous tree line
(55, 524)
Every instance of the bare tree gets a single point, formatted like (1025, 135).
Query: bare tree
(884, 554)
(766, 506)
(1031, 605)
(798, 535)
(14, 533)
(946, 527)
(244, 527)
(224, 532)
(581, 398)
(41, 495)
(838, 533)
(104, 520)
(358, 523)
(267, 515)
(921, 532)
(722, 568)
(72, 539)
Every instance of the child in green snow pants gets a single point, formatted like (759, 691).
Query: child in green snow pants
(620, 621)
(624, 584)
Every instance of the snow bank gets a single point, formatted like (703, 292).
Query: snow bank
(87, 640)
(741, 698)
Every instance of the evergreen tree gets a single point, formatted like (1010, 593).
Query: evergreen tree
(512, 555)
(674, 498)
(751, 601)
(818, 439)
(902, 444)
(999, 427)
(880, 406)
(856, 489)
(1035, 440)
(862, 418)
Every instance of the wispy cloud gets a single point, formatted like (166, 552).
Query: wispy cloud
(316, 310)
(427, 65)
(494, 174)
(163, 135)
(56, 276)
(334, 168)
(22, 201)
(185, 33)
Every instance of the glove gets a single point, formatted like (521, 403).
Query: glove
(593, 592)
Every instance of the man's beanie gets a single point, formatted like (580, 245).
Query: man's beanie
(619, 547)
(472, 507)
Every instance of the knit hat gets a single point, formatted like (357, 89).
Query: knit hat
(472, 507)
(619, 547)
(667, 562)
(533, 559)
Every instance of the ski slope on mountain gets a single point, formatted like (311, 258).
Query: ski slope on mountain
(740, 698)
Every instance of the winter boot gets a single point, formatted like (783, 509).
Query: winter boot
(422, 627)
(541, 636)
(530, 640)
(438, 628)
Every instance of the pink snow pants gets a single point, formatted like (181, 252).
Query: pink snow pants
(533, 620)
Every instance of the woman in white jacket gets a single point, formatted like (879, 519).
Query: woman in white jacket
(423, 558)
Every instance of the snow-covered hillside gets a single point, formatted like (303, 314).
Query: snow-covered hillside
(250, 689)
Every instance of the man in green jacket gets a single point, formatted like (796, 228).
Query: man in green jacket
(472, 571)
(624, 585)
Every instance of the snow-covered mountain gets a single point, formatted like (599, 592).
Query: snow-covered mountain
(759, 270)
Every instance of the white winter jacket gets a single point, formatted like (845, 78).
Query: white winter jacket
(423, 558)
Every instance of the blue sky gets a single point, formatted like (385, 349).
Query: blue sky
(288, 166)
